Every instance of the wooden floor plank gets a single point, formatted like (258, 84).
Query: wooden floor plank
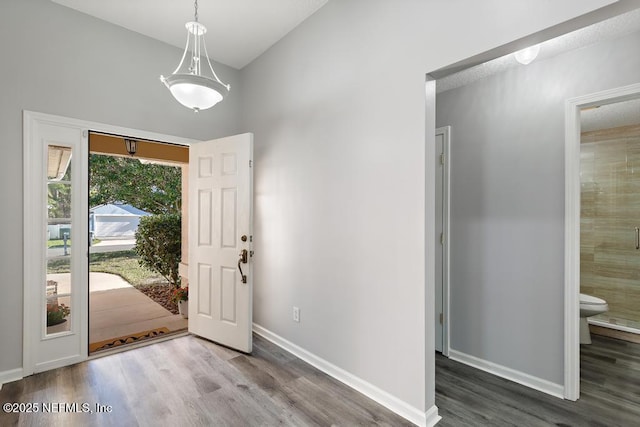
(610, 393)
(188, 381)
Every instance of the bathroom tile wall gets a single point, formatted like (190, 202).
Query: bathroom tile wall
(610, 211)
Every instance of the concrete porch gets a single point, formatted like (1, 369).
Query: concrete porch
(117, 309)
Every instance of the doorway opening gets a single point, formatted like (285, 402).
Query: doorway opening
(137, 233)
(576, 110)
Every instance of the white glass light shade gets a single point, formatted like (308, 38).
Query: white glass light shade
(526, 56)
(195, 92)
(187, 84)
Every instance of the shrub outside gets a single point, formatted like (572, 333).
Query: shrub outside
(159, 245)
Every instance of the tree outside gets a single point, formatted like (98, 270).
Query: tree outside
(154, 188)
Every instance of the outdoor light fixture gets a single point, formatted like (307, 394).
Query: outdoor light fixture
(187, 84)
(131, 145)
(525, 56)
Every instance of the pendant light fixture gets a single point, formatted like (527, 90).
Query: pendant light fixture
(187, 83)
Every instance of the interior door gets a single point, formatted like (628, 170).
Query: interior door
(220, 240)
(442, 237)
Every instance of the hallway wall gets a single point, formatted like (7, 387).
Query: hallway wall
(507, 203)
(338, 111)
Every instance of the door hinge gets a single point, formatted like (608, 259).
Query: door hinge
(441, 318)
(442, 238)
(442, 158)
(250, 163)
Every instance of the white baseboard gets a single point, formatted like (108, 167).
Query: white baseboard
(387, 400)
(432, 417)
(9, 376)
(527, 380)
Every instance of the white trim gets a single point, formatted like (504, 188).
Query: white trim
(446, 267)
(572, 227)
(59, 363)
(571, 252)
(527, 380)
(10, 376)
(38, 347)
(29, 248)
(431, 416)
(32, 246)
(111, 129)
(387, 400)
(429, 248)
(608, 325)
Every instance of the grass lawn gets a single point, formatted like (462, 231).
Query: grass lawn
(59, 243)
(123, 263)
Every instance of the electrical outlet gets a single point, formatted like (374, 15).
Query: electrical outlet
(296, 314)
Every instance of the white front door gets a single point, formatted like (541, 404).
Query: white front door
(220, 240)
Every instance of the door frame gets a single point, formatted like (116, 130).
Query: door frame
(446, 205)
(572, 227)
(33, 243)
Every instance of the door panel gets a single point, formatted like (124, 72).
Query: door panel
(439, 242)
(220, 227)
(442, 240)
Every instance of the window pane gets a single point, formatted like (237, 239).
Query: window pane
(59, 163)
(58, 314)
(58, 291)
(58, 279)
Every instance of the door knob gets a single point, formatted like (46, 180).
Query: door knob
(244, 258)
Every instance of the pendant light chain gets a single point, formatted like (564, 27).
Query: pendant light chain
(187, 84)
(195, 59)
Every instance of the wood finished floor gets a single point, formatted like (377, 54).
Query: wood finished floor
(610, 393)
(192, 382)
(188, 381)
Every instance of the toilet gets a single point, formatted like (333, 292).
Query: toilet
(589, 306)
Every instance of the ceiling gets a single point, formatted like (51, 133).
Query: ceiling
(238, 30)
(608, 29)
(602, 117)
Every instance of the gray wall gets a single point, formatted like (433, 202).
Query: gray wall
(338, 112)
(58, 61)
(507, 203)
(338, 109)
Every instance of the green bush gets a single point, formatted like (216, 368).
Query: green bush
(159, 245)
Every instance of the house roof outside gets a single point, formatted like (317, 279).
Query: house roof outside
(119, 209)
